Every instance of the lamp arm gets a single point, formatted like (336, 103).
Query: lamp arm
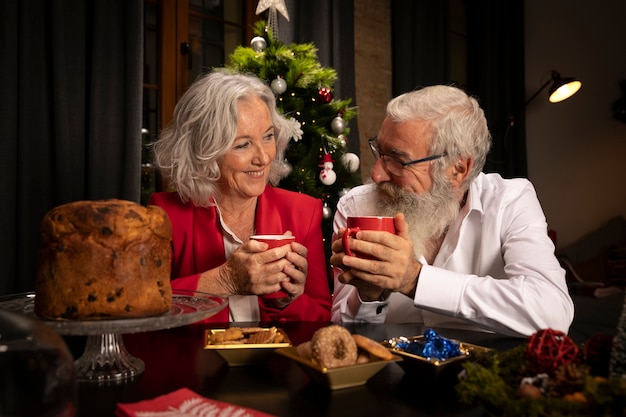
(537, 93)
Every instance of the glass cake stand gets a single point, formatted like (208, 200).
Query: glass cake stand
(105, 358)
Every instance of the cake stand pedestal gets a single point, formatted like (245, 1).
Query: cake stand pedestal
(105, 358)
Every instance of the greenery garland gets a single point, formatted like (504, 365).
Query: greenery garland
(493, 380)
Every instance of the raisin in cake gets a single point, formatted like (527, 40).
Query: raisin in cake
(104, 259)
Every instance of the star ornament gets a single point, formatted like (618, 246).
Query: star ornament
(273, 6)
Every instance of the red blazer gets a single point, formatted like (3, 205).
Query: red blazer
(198, 245)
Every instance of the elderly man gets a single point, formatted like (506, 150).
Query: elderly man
(471, 250)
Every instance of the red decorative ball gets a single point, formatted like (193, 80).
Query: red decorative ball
(548, 349)
(325, 95)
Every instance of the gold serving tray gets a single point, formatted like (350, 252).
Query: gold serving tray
(338, 378)
(243, 354)
(433, 366)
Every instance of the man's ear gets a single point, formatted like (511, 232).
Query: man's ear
(460, 170)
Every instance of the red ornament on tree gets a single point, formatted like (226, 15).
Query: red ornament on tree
(325, 95)
(548, 349)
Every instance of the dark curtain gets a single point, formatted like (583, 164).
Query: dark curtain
(495, 65)
(70, 112)
(420, 46)
(329, 24)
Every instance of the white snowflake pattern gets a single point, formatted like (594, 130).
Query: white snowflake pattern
(197, 407)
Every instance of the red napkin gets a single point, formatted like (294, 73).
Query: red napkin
(184, 403)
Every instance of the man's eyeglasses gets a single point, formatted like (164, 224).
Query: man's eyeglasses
(393, 164)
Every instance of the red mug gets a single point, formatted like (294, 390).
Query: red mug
(356, 224)
(275, 241)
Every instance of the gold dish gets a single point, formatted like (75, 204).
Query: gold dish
(242, 354)
(338, 378)
(434, 366)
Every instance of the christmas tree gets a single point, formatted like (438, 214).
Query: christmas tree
(319, 163)
(618, 352)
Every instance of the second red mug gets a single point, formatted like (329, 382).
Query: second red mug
(356, 224)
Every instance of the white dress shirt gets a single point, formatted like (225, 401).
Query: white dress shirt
(495, 271)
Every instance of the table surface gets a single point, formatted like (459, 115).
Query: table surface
(175, 358)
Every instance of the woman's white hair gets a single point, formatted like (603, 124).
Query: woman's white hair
(458, 125)
(203, 129)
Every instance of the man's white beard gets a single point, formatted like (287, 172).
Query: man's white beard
(428, 215)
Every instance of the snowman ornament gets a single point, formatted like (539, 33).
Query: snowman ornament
(327, 175)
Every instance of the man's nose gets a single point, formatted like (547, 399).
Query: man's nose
(379, 173)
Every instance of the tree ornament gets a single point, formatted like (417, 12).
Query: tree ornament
(549, 349)
(343, 192)
(258, 44)
(278, 85)
(327, 175)
(287, 167)
(325, 95)
(327, 212)
(343, 141)
(338, 125)
(351, 161)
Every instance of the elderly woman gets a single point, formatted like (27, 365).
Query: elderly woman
(225, 144)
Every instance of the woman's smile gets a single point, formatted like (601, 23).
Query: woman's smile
(257, 174)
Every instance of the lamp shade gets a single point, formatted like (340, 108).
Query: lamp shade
(563, 88)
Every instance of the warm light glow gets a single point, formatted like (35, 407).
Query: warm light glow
(565, 91)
